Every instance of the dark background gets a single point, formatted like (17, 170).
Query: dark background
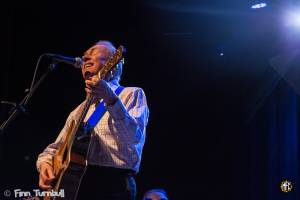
(216, 121)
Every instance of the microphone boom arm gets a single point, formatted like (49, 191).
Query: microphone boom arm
(21, 107)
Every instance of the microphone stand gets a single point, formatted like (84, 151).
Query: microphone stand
(21, 107)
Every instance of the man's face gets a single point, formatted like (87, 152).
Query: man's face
(94, 59)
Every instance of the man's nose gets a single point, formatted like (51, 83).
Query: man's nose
(86, 58)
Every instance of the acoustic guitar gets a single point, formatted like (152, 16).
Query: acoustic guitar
(70, 160)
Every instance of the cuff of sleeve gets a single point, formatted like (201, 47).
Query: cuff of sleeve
(117, 110)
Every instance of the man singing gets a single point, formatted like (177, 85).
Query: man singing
(118, 138)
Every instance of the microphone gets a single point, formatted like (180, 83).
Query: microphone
(76, 62)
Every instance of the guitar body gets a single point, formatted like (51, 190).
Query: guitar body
(70, 163)
(70, 159)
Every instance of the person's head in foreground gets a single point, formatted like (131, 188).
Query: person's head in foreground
(155, 194)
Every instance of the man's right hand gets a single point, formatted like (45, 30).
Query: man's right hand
(46, 176)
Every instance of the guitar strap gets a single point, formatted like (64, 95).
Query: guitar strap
(98, 113)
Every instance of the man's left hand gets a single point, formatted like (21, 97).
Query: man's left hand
(100, 90)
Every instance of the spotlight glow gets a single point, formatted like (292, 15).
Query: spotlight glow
(259, 5)
(296, 19)
(293, 19)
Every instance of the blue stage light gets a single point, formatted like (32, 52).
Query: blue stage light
(259, 5)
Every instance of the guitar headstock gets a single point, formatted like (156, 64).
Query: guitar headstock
(112, 61)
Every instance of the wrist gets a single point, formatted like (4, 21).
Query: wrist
(111, 101)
